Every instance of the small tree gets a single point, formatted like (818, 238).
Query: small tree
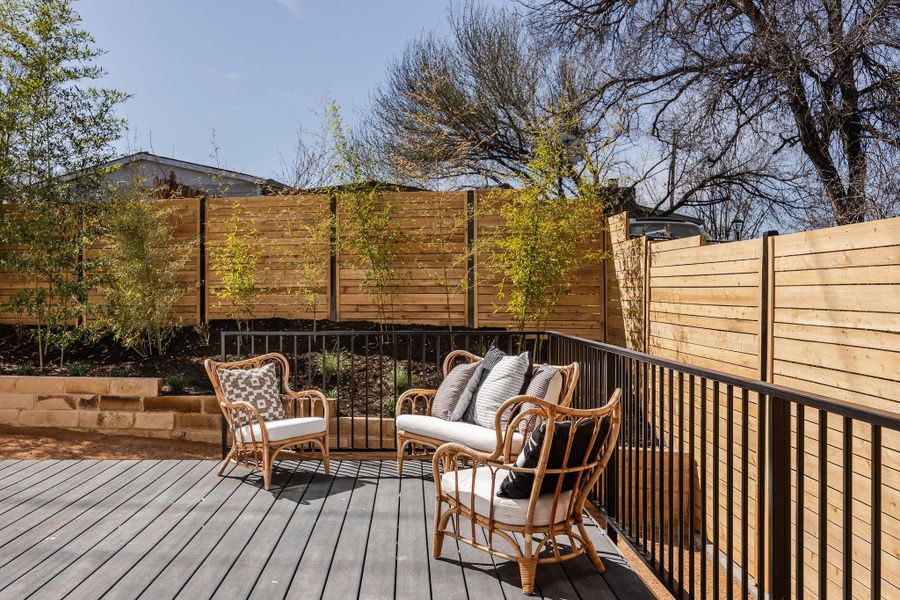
(311, 266)
(140, 266)
(437, 237)
(55, 129)
(547, 236)
(368, 233)
(235, 262)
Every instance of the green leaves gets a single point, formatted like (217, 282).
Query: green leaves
(54, 131)
(140, 268)
(234, 261)
(547, 237)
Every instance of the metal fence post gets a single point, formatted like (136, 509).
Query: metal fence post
(778, 498)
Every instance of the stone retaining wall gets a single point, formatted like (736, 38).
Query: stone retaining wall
(110, 405)
(133, 406)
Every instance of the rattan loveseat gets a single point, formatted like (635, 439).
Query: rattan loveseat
(420, 432)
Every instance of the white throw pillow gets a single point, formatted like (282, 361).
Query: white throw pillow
(503, 382)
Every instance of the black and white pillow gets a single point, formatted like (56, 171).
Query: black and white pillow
(519, 485)
(257, 386)
(503, 382)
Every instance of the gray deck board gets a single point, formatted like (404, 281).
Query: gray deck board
(45, 560)
(84, 565)
(379, 570)
(165, 529)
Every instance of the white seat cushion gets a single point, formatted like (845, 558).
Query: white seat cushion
(511, 511)
(469, 434)
(284, 429)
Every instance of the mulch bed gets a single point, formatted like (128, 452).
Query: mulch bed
(365, 386)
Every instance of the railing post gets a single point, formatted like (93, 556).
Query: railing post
(778, 497)
(223, 427)
(612, 469)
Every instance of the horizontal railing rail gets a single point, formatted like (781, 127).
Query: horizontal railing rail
(716, 481)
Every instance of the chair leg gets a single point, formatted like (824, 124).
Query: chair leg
(325, 462)
(267, 470)
(437, 542)
(401, 448)
(527, 572)
(227, 460)
(590, 550)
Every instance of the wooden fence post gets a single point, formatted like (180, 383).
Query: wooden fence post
(201, 237)
(332, 261)
(470, 259)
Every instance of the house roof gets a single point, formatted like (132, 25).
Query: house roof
(208, 169)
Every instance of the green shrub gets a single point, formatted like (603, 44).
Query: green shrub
(403, 379)
(389, 405)
(234, 261)
(27, 369)
(327, 363)
(177, 383)
(121, 372)
(75, 369)
(140, 275)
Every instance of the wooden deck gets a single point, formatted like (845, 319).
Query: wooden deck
(166, 529)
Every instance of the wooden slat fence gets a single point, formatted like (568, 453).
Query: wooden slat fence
(815, 311)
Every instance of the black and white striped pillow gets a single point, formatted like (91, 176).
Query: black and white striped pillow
(503, 382)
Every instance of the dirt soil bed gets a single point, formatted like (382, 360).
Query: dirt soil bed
(60, 444)
(185, 354)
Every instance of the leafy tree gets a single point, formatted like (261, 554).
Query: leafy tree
(310, 265)
(367, 231)
(235, 262)
(55, 129)
(546, 235)
(141, 261)
(438, 237)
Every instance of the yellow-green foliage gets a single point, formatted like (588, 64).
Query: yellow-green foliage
(547, 235)
(140, 268)
(235, 262)
(367, 228)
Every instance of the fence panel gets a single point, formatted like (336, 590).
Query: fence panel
(284, 231)
(430, 266)
(836, 332)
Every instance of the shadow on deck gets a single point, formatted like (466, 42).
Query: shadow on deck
(165, 529)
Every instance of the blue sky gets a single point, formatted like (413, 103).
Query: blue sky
(252, 69)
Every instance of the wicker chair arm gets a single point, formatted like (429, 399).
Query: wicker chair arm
(465, 354)
(315, 397)
(413, 398)
(451, 452)
(254, 418)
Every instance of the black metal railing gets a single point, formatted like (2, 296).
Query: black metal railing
(709, 480)
(364, 372)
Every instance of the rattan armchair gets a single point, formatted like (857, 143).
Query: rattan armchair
(418, 401)
(256, 444)
(524, 530)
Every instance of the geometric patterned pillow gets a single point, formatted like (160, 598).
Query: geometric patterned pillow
(257, 386)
